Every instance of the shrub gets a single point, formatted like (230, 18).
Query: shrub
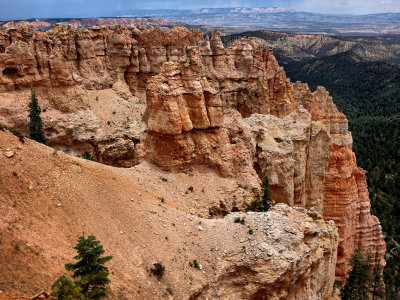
(239, 220)
(86, 155)
(64, 288)
(158, 270)
(194, 264)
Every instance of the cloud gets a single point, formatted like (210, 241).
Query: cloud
(348, 6)
(342, 3)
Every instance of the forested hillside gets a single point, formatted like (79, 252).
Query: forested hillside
(369, 94)
(289, 47)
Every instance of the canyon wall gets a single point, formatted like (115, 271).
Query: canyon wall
(178, 100)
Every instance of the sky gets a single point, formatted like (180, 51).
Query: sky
(20, 9)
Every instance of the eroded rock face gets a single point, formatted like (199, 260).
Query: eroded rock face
(230, 109)
(79, 73)
(345, 194)
(293, 153)
(179, 102)
(185, 127)
(288, 258)
(248, 76)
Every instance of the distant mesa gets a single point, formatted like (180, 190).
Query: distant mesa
(46, 24)
(263, 10)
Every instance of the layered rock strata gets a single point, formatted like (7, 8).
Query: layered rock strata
(293, 153)
(345, 193)
(95, 81)
(185, 126)
(232, 109)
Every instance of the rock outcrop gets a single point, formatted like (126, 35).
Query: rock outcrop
(288, 267)
(345, 194)
(185, 126)
(293, 153)
(231, 109)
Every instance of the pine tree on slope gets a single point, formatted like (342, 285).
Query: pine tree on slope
(35, 130)
(90, 267)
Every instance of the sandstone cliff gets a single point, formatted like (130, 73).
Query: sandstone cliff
(230, 109)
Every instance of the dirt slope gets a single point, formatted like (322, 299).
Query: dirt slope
(48, 199)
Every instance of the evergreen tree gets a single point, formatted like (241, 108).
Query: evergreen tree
(267, 194)
(378, 288)
(35, 130)
(266, 200)
(90, 267)
(90, 270)
(359, 279)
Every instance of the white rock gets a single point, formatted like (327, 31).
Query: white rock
(9, 153)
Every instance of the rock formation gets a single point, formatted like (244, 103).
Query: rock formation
(231, 109)
(293, 272)
(185, 125)
(293, 153)
(345, 194)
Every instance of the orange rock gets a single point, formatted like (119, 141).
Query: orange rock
(345, 193)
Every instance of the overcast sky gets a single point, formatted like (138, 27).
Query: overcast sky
(12, 9)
